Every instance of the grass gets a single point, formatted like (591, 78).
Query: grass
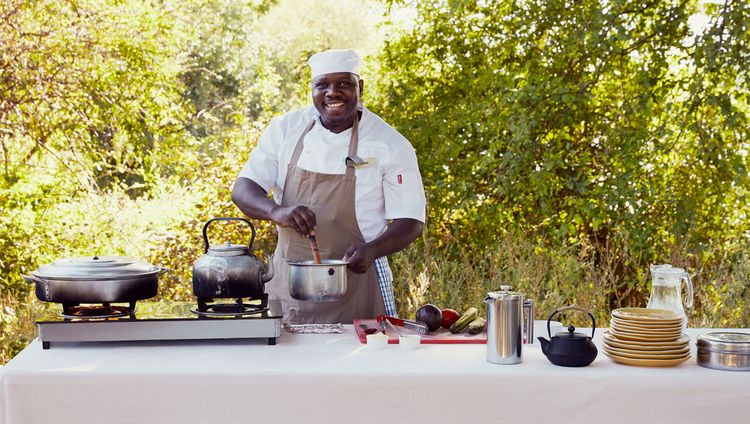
(596, 279)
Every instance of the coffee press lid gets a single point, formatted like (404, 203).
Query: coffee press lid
(505, 293)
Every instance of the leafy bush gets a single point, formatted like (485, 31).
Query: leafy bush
(611, 125)
(565, 146)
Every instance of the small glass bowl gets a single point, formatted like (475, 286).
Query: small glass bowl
(409, 341)
(377, 340)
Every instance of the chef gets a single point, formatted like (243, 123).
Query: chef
(339, 172)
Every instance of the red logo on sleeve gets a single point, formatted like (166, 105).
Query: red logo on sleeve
(400, 180)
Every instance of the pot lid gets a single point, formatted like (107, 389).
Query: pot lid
(725, 341)
(571, 334)
(96, 268)
(504, 293)
(229, 249)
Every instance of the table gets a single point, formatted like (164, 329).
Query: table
(314, 378)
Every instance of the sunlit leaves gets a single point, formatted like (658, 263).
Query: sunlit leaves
(581, 119)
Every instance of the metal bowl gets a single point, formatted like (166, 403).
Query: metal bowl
(728, 351)
(323, 282)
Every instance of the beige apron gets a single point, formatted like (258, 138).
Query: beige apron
(331, 197)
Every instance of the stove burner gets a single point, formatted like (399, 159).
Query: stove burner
(236, 309)
(230, 310)
(97, 311)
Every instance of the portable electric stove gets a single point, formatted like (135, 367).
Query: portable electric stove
(147, 321)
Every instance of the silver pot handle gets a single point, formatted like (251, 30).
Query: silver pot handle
(41, 286)
(162, 270)
(32, 279)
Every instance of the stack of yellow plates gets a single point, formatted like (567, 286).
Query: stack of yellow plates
(646, 337)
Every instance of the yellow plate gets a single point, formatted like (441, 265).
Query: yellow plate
(657, 338)
(647, 315)
(654, 354)
(609, 336)
(640, 325)
(647, 362)
(643, 347)
(621, 329)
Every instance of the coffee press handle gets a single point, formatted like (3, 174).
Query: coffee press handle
(205, 227)
(528, 305)
(689, 284)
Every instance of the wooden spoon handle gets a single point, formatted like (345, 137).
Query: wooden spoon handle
(314, 247)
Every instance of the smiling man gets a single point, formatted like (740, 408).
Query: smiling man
(339, 172)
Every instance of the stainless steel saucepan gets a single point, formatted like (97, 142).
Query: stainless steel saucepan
(323, 282)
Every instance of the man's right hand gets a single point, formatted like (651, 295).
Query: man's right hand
(253, 201)
(300, 218)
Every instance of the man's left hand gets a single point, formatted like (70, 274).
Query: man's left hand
(359, 257)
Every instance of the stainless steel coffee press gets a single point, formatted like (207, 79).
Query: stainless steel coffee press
(508, 328)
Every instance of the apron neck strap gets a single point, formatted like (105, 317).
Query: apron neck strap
(300, 143)
(353, 145)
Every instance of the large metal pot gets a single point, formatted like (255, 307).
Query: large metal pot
(230, 270)
(96, 279)
(323, 282)
(724, 350)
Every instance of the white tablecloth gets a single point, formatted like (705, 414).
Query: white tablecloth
(335, 379)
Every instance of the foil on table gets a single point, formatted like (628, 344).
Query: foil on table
(314, 328)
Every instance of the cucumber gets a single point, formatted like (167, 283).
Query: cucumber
(476, 326)
(470, 315)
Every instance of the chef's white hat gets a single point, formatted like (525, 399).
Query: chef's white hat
(331, 61)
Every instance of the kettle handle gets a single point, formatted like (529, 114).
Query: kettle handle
(205, 227)
(569, 308)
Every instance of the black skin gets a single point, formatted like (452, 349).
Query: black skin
(254, 202)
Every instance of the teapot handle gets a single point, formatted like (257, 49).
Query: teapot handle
(568, 308)
(205, 227)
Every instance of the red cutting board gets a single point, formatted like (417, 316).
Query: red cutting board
(442, 336)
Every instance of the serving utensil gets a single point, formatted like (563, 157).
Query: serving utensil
(387, 326)
(416, 326)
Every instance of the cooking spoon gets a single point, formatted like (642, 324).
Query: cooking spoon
(314, 247)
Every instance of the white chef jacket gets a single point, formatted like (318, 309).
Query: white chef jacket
(389, 187)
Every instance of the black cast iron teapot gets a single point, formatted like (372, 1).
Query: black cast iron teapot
(569, 349)
(230, 270)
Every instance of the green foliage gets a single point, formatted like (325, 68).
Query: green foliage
(87, 91)
(565, 145)
(124, 124)
(610, 124)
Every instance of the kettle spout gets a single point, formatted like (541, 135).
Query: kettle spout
(545, 344)
(266, 275)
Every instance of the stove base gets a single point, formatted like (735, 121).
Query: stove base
(151, 323)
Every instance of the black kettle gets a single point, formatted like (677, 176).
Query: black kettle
(230, 270)
(569, 349)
